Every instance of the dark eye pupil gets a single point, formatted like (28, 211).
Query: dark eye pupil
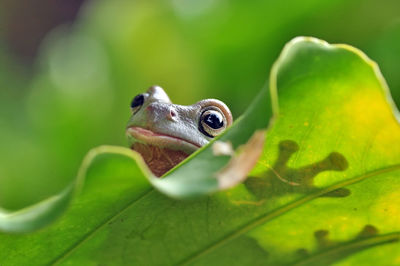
(214, 120)
(137, 101)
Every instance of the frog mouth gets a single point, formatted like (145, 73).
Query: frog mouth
(146, 136)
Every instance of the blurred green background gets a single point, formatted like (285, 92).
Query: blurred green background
(69, 69)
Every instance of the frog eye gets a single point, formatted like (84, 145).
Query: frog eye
(212, 123)
(136, 103)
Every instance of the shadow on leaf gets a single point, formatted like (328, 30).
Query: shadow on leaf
(281, 179)
(329, 251)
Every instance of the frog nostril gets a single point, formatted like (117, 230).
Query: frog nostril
(172, 114)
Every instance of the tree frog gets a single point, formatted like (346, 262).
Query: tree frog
(165, 133)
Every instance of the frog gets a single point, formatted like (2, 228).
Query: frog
(165, 134)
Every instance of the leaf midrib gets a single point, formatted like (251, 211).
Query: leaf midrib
(244, 229)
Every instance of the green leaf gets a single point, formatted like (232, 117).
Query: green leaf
(186, 182)
(324, 189)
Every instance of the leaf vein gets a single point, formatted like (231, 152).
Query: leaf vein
(90, 234)
(362, 243)
(284, 209)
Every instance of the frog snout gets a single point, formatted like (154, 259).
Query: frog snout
(157, 113)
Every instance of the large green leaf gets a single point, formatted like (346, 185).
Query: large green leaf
(324, 189)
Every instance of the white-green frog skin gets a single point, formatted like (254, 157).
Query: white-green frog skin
(165, 133)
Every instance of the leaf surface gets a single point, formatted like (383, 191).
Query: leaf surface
(324, 189)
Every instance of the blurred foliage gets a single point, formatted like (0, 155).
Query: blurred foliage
(86, 73)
